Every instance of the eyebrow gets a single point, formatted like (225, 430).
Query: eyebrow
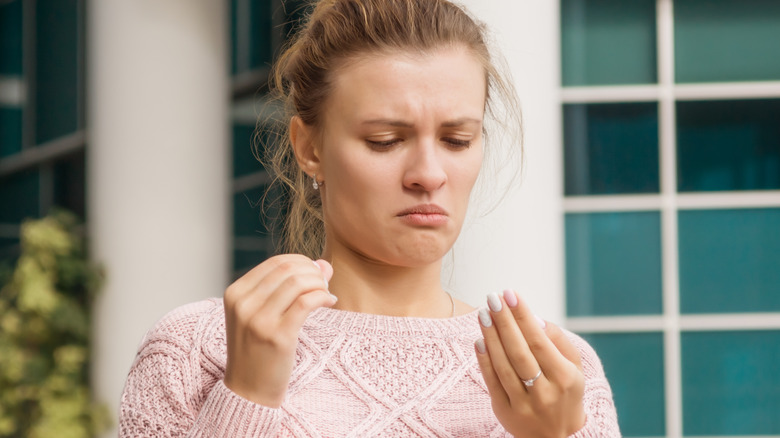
(402, 124)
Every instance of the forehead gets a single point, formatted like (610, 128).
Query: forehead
(446, 83)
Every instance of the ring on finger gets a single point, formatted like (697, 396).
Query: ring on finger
(530, 382)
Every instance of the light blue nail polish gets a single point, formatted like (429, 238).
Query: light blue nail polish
(494, 302)
(484, 317)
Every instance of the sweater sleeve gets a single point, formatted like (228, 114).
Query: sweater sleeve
(168, 393)
(599, 406)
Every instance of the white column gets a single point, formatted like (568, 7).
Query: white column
(157, 168)
(520, 244)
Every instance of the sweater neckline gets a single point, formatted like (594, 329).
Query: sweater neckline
(367, 323)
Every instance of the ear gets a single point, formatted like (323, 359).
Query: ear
(304, 147)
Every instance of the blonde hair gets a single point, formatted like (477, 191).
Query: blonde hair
(339, 30)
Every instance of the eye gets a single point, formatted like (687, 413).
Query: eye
(383, 144)
(457, 143)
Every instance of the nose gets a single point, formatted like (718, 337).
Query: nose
(425, 169)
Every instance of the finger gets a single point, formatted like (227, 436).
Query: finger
(249, 281)
(515, 346)
(302, 306)
(495, 348)
(552, 362)
(496, 390)
(564, 344)
(325, 267)
(292, 286)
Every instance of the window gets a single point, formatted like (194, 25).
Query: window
(672, 204)
(41, 112)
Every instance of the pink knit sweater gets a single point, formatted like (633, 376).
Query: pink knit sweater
(355, 375)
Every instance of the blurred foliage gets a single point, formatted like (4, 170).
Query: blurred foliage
(44, 335)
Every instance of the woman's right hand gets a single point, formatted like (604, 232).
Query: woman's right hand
(264, 310)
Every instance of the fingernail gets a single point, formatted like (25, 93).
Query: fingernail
(333, 297)
(479, 344)
(484, 317)
(541, 322)
(494, 302)
(511, 298)
(323, 275)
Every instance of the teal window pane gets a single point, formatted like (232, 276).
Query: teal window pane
(244, 161)
(729, 260)
(69, 184)
(11, 38)
(634, 365)
(19, 194)
(244, 260)
(728, 145)
(57, 69)
(608, 42)
(613, 263)
(257, 213)
(731, 384)
(247, 210)
(726, 40)
(262, 33)
(10, 131)
(610, 148)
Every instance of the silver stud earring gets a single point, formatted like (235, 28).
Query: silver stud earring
(314, 182)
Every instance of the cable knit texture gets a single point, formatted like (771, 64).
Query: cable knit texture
(356, 375)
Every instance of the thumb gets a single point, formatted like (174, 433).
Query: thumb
(563, 343)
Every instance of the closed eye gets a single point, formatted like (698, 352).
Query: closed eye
(383, 144)
(457, 143)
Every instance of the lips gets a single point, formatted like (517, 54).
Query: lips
(424, 209)
(424, 215)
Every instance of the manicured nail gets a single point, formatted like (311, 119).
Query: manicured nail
(484, 317)
(511, 298)
(479, 344)
(541, 322)
(323, 275)
(494, 302)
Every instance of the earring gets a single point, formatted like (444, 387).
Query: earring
(314, 182)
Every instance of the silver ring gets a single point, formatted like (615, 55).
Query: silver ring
(530, 382)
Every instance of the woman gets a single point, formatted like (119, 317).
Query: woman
(351, 333)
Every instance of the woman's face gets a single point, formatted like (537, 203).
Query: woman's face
(399, 150)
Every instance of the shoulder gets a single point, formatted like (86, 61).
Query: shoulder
(183, 327)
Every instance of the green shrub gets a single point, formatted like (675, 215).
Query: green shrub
(44, 335)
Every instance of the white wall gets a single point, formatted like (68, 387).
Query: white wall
(520, 245)
(157, 168)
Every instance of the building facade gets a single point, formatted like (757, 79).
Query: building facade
(646, 217)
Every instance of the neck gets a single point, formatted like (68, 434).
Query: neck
(369, 286)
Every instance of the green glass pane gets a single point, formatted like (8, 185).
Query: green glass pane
(69, 184)
(10, 131)
(613, 263)
(19, 196)
(726, 40)
(11, 38)
(244, 161)
(608, 42)
(731, 383)
(610, 148)
(56, 69)
(234, 36)
(634, 365)
(729, 260)
(244, 260)
(256, 213)
(728, 145)
(262, 31)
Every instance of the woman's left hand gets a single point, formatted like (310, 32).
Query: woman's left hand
(519, 347)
